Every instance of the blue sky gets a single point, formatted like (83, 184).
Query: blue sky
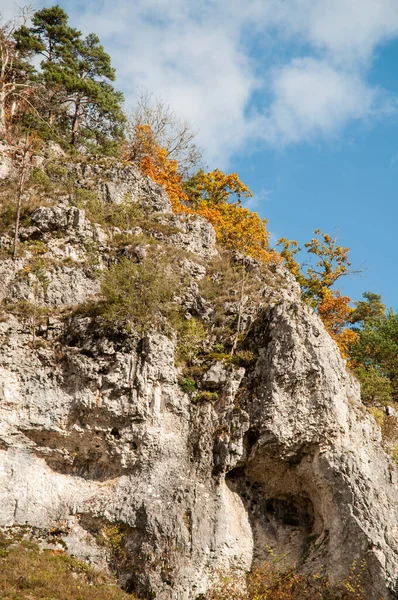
(300, 97)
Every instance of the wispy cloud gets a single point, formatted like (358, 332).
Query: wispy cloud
(311, 98)
(394, 160)
(258, 199)
(311, 81)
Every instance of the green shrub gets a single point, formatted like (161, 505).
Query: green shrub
(8, 209)
(244, 358)
(375, 388)
(40, 178)
(187, 384)
(139, 293)
(191, 335)
(206, 396)
(56, 171)
(219, 348)
(93, 258)
(389, 431)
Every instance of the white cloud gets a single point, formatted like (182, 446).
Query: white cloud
(348, 29)
(196, 56)
(311, 98)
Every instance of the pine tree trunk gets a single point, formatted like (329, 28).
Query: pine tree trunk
(75, 124)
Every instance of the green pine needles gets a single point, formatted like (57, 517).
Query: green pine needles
(74, 99)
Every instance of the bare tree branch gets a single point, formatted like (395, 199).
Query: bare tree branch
(169, 132)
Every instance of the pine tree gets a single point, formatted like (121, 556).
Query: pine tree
(76, 73)
(96, 114)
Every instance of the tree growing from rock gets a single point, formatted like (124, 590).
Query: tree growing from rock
(218, 197)
(175, 136)
(317, 281)
(76, 75)
(155, 163)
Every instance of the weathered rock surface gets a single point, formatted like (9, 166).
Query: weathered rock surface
(116, 183)
(96, 434)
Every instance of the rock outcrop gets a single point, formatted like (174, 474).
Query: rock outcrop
(99, 439)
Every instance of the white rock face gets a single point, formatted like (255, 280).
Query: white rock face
(92, 441)
(96, 432)
(316, 457)
(5, 162)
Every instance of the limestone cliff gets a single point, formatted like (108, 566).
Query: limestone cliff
(102, 440)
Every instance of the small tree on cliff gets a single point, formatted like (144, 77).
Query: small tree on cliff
(317, 281)
(174, 136)
(76, 73)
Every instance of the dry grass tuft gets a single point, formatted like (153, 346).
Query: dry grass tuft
(29, 573)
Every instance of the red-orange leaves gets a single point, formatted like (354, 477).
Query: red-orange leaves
(335, 311)
(154, 162)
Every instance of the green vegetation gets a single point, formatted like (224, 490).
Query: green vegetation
(74, 99)
(206, 396)
(124, 215)
(140, 293)
(223, 284)
(8, 207)
(191, 336)
(29, 573)
(375, 353)
(39, 178)
(187, 384)
(58, 85)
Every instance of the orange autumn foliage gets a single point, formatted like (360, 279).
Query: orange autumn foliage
(154, 162)
(237, 228)
(346, 341)
(335, 311)
(208, 195)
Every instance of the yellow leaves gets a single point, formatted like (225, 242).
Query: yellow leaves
(216, 188)
(332, 264)
(236, 227)
(208, 195)
(240, 229)
(289, 249)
